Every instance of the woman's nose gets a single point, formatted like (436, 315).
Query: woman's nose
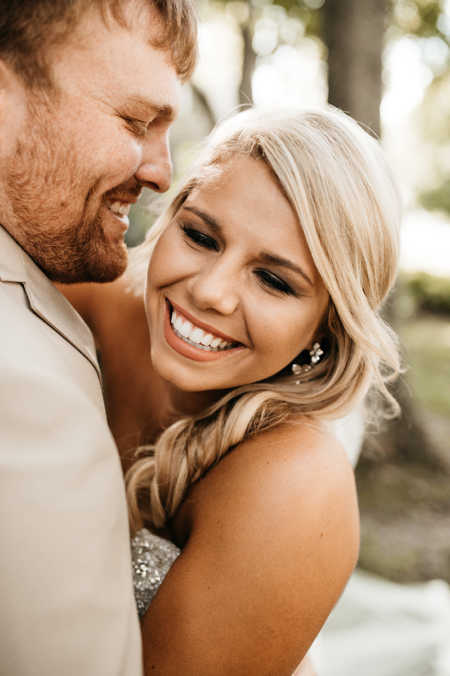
(216, 288)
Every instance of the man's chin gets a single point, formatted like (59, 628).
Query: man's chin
(101, 268)
(107, 270)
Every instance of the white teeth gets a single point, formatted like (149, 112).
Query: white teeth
(195, 334)
(177, 322)
(207, 339)
(119, 208)
(186, 329)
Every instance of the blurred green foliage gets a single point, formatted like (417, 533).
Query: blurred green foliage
(426, 339)
(418, 17)
(306, 11)
(427, 21)
(429, 292)
(437, 198)
(423, 311)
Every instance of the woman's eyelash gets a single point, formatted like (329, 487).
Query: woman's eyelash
(275, 282)
(267, 278)
(199, 237)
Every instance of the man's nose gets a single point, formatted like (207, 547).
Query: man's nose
(155, 169)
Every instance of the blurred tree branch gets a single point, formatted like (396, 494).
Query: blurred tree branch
(202, 99)
(248, 62)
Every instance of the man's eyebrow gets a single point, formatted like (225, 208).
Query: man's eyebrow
(264, 256)
(165, 111)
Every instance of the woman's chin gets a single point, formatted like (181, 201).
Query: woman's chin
(176, 376)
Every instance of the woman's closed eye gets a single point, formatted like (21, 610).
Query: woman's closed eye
(268, 279)
(273, 282)
(199, 238)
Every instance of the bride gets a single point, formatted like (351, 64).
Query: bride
(266, 276)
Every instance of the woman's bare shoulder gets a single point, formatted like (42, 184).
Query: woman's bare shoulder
(296, 466)
(285, 500)
(273, 539)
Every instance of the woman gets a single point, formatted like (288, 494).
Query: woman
(266, 278)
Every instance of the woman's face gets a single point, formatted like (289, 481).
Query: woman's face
(232, 293)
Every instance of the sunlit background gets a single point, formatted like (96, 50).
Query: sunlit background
(396, 81)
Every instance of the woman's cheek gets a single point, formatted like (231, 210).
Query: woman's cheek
(167, 264)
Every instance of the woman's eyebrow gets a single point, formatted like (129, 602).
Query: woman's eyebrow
(209, 220)
(264, 256)
(271, 259)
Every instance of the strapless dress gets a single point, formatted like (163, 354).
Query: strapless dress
(152, 556)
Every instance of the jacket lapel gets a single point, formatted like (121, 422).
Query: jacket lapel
(44, 299)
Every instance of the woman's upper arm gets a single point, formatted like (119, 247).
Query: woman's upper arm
(99, 304)
(82, 297)
(274, 538)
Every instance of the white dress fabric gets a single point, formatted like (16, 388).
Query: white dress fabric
(380, 628)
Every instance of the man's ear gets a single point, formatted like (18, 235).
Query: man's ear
(13, 106)
(7, 76)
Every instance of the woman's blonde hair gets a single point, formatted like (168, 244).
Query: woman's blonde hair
(336, 178)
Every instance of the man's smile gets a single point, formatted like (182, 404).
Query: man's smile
(120, 210)
(120, 205)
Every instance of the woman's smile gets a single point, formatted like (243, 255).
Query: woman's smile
(194, 339)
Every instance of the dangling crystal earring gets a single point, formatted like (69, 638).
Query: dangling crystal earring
(314, 357)
(316, 353)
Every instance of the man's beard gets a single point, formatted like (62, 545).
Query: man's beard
(40, 180)
(77, 254)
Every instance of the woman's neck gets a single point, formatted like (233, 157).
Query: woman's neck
(179, 403)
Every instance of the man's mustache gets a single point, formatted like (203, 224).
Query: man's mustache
(129, 191)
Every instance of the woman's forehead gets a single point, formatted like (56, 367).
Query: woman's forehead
(220, 175)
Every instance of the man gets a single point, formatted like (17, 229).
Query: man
(88, 89)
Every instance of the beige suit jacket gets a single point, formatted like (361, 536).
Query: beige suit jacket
(66, 598)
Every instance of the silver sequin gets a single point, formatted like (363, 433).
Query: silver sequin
(152, 557)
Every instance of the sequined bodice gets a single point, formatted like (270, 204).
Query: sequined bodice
(152, 557)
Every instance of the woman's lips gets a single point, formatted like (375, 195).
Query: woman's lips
(191, 351)
(200, 324)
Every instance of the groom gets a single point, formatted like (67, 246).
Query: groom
(88, 90)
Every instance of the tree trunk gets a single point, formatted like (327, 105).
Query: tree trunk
(354, 34)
